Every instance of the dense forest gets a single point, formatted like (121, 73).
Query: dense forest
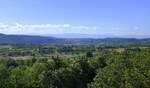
(68, 66)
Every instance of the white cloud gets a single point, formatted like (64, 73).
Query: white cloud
(87, 27)
(44, 28)
(3, 26)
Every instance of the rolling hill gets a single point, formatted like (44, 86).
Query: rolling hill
(26, 39)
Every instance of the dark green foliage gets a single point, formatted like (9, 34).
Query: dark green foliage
(126, 70)
(89, 54)
(87, 67)
(4, 77)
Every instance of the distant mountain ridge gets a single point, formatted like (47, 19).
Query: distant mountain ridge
(96, 36)
(75, 35)
(26, 39)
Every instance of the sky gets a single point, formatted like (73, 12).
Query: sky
(42, 17)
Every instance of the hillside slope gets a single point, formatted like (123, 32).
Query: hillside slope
(24, 39)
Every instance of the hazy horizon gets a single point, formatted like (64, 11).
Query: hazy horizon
(79, 35)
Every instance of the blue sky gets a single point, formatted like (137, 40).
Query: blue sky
(118, 17)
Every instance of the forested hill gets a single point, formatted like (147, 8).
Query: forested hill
(24, 39)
